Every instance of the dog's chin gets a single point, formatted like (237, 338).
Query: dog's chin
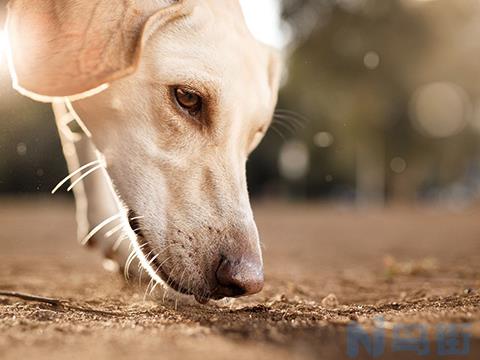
(156, 263)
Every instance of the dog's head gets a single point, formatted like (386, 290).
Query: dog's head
(176, 132)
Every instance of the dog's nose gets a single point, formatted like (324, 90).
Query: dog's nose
(239, 278)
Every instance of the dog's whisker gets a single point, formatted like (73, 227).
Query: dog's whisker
(118, 242)
(164, 262)
(292, 130)
(153, 289)
(278, 132)
(297, 117)
(136, 218)
(71, 175)
(153, 259)
(147, 290)
(140, 273)
(189, 280)
(150, 262)
(100, 226)
(287, 120)
(165, 293)
(148, 255)
(83, 176)
(140, 268)
(284, 121)
(138, 249)
(142, 246)
(294, 121)
(170, 282)
(137, 230)
(130, 259)
(180, 284)
(116, 229)
(169, 279)
(294, 114)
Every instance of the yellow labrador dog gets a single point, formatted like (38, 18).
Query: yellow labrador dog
(159, 104)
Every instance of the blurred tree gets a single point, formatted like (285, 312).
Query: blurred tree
(355, 68)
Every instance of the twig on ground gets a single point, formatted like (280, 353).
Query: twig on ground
(56, 303)
(28, 297)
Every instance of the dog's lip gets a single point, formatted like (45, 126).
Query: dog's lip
(201, 299)
(170, 282)
(147, 252)
(157, 266)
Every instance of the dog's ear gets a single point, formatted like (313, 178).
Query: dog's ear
(60, 48)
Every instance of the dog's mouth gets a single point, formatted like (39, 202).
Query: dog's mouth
(153, 259)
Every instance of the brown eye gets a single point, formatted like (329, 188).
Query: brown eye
(188, 101)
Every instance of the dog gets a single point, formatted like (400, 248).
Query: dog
(158, 104)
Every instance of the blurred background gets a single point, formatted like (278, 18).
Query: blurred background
(380, 104)
(373, 166)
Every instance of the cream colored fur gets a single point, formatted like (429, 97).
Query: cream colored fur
(185, 177)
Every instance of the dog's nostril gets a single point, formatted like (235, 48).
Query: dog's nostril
(239, 278)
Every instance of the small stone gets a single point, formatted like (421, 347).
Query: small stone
(111, 266)
(43, 315)
(330, 301)
(279, 298)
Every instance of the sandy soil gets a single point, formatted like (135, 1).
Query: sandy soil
(405, 265)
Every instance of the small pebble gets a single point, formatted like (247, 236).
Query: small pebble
(330, 301)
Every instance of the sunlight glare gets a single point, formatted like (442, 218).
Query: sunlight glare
(264, 21)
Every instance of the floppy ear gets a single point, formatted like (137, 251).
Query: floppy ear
(62, 48)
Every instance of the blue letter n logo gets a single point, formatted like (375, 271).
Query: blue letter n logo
(358, 336)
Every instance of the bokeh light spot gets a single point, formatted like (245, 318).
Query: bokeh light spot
(22, 149)
(440, 110)
(398, 165)
(294, 160)
(371, 60)
(323, 139)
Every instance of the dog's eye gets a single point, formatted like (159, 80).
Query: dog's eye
(188, 100)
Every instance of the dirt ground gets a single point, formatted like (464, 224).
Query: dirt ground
(403, 265)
